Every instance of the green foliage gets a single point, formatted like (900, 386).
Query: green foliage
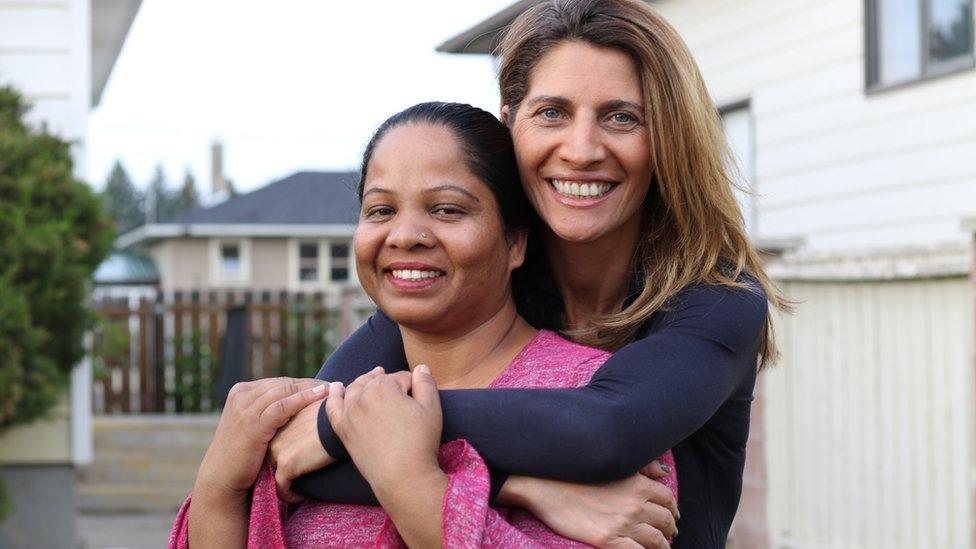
(53, 234)
(188, 198)
(122, 200)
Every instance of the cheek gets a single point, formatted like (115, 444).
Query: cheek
(366, 246)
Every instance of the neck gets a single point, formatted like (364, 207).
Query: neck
(593, 277)
(472, 358)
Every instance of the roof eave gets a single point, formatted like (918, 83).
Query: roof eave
(160, 231)
(485, 36)
(110, 24)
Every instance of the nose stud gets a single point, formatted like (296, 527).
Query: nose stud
(423, 235)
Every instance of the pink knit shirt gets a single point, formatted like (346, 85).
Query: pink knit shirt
(548, 361)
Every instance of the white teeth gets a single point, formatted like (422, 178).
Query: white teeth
(584, 190)
(413, 274)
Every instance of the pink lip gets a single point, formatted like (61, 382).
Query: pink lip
(579, 202)
(411, 285)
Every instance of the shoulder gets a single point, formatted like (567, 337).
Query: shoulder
(734, 316)
(551, 344)
(550, 360)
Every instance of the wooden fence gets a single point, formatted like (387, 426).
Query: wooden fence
(164, 355)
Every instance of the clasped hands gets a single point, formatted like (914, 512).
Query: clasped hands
(402, 411)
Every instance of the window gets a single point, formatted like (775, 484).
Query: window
(230, 260)
(911, 40)
(339, 256)
(308, 261)
(737, 123)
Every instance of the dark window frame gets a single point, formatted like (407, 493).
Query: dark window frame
(929, 70)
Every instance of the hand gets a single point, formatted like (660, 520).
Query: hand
(297, 450)
(394, 439)
(387, 431)
(253, 413)
(633, 512)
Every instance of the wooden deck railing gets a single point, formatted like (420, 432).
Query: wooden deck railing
(165, 355)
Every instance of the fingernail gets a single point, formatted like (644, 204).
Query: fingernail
(335, 386)
(675, 533)
(422, 368)
(380, 368)
(666, 469)
(318, 389)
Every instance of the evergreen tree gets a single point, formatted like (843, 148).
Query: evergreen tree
(122, 200)
(53, 234)
(188, 198)
(160, 201)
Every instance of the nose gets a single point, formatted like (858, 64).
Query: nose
(583, 146)
(409, 232)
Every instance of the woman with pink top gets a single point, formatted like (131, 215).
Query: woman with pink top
(444, 222)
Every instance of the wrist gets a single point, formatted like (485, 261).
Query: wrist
(406, 479)
(517, 491)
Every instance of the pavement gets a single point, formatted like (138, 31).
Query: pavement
(124, 531)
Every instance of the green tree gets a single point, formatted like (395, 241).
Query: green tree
(53, 234)
(160, 200)
(122, 200)
(188, 198)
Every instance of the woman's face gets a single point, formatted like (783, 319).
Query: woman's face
(582, 142)
(430, 248)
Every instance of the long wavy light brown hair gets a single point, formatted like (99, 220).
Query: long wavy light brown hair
(693, 227)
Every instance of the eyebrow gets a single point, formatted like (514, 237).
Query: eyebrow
(613, 104)
(377, 190)
(454, 188)
(440, 188)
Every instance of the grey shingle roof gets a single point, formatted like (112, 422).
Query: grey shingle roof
(301, 198)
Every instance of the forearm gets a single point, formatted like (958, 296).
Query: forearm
(217, 519)
(415, 504)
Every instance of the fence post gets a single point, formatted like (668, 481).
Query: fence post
(159, 354)
(179, 385)
(143, 339)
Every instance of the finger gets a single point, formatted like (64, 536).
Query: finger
(622, 543)
(353, 389)
(424, 388)
(281, 387)
(661, 495)
(283, 486)
(648, 537)
(334, 405)
(659, 518)
(655, 470)
(402, 379)
(279, 412)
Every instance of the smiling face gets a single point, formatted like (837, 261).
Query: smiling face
(583, 144)
(430, 248)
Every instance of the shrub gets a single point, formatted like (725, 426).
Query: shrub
(53, 234)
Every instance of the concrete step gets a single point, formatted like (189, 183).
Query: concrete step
(136, 469)
(131, 498)
(143, 464)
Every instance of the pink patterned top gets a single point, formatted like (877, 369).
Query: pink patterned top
(548, 361)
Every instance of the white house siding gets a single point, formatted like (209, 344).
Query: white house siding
(833, 165)
(45, 52)
(869, 427)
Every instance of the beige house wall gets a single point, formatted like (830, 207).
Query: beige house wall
(270, 264)
(183, 263)
(46, 441)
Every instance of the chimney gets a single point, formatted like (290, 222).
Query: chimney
(218, 185)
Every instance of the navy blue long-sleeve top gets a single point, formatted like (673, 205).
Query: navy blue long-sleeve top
(685, 383)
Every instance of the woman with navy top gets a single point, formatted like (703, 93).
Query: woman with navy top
(642, 252)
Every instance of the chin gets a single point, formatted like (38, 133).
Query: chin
(576, 233)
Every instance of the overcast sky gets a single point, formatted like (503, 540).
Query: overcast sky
(300, 85)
